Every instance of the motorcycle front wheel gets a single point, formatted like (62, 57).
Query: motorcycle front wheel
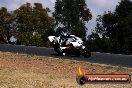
(86, 53)
(56, 47)
(59, 51)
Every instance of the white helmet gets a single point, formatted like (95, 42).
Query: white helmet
(63, 34)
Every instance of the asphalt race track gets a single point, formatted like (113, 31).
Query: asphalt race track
(101, 58)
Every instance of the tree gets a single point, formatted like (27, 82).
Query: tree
(72, 16)
(117, 26)
(23, 21)
(33, 22)
(5, 25)
(42, 22)
(93, 42)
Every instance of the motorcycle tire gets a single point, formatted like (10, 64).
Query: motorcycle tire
(59, 51)
(86, 53)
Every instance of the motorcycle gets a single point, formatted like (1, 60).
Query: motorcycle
(71, 45)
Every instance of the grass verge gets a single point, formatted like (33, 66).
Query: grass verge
(30, 71)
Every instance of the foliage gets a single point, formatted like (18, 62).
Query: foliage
(33, 24)
(71, 16)
(97, 44)
(116, 26)
(5, 25)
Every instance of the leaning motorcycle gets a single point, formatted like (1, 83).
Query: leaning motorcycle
(72, 45)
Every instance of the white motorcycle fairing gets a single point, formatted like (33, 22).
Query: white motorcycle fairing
(69, 45)
(51, 38)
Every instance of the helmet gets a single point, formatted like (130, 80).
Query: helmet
(63, 34)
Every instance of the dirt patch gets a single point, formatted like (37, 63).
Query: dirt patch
(28, 71)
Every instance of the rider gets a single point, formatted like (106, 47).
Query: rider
(64, 36)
